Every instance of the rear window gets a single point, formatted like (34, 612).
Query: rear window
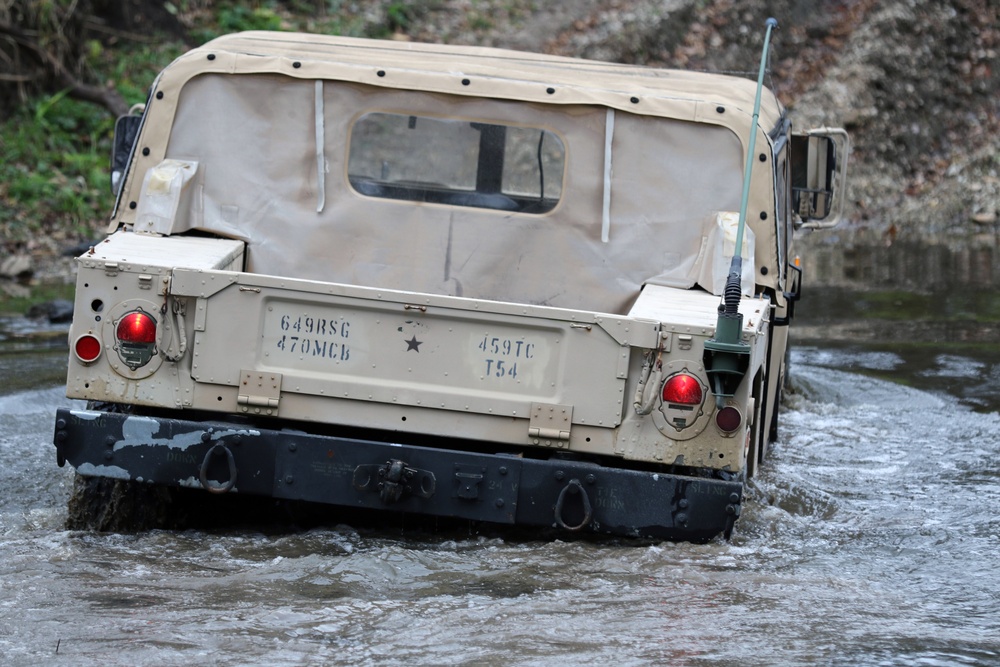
(456, 162)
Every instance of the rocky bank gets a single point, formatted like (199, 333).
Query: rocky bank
(914, 81)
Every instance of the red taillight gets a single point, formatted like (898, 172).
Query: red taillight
(682, 389)
(136, 327)
(136, 334)
(728, 419)
(87, 348)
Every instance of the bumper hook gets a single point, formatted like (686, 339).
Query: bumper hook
(588, 511)
(217, 487)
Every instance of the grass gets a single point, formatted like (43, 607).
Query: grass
(55, 151)
(52, 167)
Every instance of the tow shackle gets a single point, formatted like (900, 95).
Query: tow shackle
(210, 485)
(574, 487)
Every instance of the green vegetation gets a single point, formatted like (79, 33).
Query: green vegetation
(55, 150)
(52, 168)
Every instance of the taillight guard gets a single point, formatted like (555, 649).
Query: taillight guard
(135, 334)
(132, 334)
(684, 401)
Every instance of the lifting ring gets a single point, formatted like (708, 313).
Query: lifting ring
(215, 487)
(588, 512)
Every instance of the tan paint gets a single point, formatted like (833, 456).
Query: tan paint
(294, 302)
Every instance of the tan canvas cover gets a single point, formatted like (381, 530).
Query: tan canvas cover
(652, 158)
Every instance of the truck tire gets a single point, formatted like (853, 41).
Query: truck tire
(117, 505)
(780, 398)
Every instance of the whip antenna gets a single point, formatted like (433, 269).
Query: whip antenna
(726, 354)
(737, 262)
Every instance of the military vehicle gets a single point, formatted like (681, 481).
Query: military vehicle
(444, 281)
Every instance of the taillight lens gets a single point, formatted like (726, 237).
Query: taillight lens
(136, 327)
(728, 419)
(682, 389)
(87, 348)
(136, 334)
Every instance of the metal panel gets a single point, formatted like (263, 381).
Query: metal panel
(348, 342)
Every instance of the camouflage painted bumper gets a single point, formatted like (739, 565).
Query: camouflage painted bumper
(224, 457)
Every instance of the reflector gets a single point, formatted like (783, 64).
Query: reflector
(136, 327)
(728, 419)
(682, 388)
(87, 348)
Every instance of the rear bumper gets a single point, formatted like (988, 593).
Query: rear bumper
(223, 457)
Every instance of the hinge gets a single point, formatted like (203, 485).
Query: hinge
(550, 421)
(259, 390)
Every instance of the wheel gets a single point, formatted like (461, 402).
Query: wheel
(757, 431)
(782, 379)
(123, 505)
(116, 505)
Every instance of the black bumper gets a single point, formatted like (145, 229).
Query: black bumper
(223, 457)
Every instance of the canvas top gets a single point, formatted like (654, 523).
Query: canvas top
(494, 72)
(295, 142)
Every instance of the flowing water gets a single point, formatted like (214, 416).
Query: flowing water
(871, 537)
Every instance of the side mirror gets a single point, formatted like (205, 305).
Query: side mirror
(126, 130)
(819, 176)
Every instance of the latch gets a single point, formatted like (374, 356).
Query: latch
(550, 421)
(259, 390)
(467, 480)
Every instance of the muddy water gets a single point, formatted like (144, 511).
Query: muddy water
(924, 313)
(872, 537)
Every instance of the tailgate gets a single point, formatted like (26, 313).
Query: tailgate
(277, 338)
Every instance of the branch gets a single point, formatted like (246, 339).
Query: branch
(92, 23)
(109, 98)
